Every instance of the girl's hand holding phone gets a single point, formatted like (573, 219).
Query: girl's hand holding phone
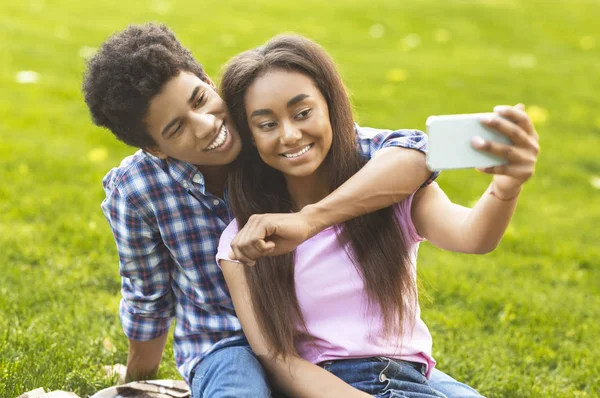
(520, 157)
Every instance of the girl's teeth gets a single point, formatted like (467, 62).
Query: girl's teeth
(295, 155)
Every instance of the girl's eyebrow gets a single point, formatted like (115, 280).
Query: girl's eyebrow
(290, 103)
(297, 99)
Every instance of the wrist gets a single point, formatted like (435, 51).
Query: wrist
(314, 218)
(505, 195)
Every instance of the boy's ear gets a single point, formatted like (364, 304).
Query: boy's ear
(156, 152)
(211, 83)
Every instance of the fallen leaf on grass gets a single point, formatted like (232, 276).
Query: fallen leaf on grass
(108, 345)
(118, 369)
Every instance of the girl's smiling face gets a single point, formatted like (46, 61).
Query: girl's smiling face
(289, 120)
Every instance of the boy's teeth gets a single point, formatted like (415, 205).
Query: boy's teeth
(295, 155)
(219, 140)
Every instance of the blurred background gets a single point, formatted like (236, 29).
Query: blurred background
(520, 322)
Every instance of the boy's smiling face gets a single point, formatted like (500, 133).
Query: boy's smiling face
(189, 121)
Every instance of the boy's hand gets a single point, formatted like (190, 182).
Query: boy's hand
(271, 235)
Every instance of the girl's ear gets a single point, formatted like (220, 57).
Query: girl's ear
(156, 152)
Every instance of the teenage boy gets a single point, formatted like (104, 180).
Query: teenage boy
(167, 206)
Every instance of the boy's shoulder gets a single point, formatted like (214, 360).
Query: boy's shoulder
(137, 173)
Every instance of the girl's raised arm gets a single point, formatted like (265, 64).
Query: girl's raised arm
(480, 229)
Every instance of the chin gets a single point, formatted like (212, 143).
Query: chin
(300, 172)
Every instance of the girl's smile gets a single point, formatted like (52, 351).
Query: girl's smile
(289, 120)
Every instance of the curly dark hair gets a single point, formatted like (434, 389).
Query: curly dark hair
(130, 68)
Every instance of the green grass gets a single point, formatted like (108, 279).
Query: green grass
(520, 322)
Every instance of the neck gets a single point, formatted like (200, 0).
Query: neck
(307, 190)
(215, 178)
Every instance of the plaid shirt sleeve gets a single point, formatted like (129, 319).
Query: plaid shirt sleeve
(147, 306)
(371, 140)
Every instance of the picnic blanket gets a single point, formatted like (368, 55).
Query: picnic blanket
(138, 389)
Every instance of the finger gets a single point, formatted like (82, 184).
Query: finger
(503, 151)
(247, 236)
(259, 248)
(510, 129)
(517, 115)
(251, 253)
(269, 245)
(518, 172)
(239, 255)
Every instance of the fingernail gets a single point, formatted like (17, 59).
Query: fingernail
(477, 142)
(501, 108)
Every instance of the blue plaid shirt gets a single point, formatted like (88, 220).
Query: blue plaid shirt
(167, 228)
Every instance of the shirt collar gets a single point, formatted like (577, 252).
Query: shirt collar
(186, 174)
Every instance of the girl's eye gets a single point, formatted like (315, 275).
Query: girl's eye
(266, 125)
(304, 113)
(199, 101)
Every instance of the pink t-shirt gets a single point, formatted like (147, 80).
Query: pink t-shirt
(334, 302)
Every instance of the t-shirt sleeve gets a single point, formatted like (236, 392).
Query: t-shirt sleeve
(403, 213)
(225, 242)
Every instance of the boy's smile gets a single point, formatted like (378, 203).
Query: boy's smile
(189, 121)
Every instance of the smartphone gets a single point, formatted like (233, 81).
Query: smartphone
(450, 142)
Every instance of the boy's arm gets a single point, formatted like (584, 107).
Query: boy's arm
(396, 170)
(393, 174)
(293, 375)
(147, 305)
(144, 358)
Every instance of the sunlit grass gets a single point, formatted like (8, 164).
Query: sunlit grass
(520, 322)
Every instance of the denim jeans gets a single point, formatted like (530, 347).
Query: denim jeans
(451, 388)
(232, 371)
(388, 378)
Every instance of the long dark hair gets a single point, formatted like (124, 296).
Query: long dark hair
(377, 246)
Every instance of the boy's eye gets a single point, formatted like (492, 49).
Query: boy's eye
(199, 101)
(177, 129)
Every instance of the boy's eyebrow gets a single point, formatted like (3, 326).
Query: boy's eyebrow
(290, 103)
(172, 122)
(194, 94)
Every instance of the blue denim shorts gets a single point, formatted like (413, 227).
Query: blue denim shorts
(383, 377)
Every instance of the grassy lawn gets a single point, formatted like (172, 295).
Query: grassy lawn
(519, 322)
